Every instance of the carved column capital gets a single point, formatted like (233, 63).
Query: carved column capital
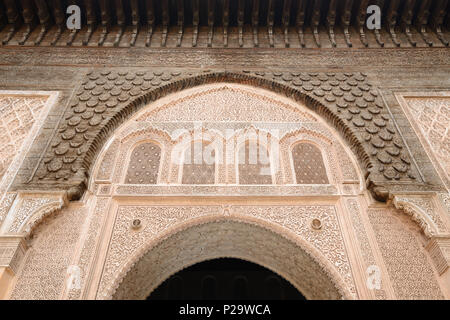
(12, 250)
(30, 209)
(424, 210)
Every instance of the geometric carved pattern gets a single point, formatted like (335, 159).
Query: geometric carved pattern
(230, 239)
(254, 164)
(44, 272)
(423, 211)
(199, 167)
(308, 164)
(144, 164)
(363, 240)
(17, 116)
(128, 246)
(410, 272)
(107, 97)
(432, 118)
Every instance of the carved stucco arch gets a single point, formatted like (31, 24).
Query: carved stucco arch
(303, 87)
(424, 219)
(227, 77)
(277, 244)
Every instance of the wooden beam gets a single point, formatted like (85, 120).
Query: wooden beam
(407, 19)
(121, 19)
(44, 19)
(240, 21)
(91, 21)
(180, 13)
(255, 22)
(59, 17)
(2, 17)
(315, 21)
(226, 21)
(150, 12)
(12, 13)
(135, 17)
(437, 19)
(286, 18)
(106, 20)
(423, 17)
(361, 21)
(331, 21)
(300, 21)
(165, 21)
(211, 8)
(271, 21)
(346, 19)
(391, 20)
(195, 21)
(29, 19)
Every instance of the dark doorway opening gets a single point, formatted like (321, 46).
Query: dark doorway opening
(226, 279)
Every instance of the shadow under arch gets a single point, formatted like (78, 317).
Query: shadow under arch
(127, 111)
(237, 236)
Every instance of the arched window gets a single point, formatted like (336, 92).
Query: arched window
(199, 164)
(254, 164)
(308, 164)
(144, 164)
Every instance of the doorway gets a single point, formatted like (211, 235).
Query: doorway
(226, 279)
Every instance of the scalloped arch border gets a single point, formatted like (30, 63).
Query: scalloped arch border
(133, 107)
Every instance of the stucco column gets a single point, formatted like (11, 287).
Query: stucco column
(12, 250)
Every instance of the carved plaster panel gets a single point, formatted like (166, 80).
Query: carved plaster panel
(125, 242)
(86, 259)
(308, 164)
(365, 246)
(229, 103)
(30, 209)
(144, 164)
(328, 239)
(17, 117)
(425, 211)
(21, 116)
(410, 270)
(141, 128)
(5, 205)
(157, 220)
(429, 115)
(293, 259)
(46, 265)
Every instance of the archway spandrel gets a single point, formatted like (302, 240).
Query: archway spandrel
(229, 238)
(346, 100)
(160, 222)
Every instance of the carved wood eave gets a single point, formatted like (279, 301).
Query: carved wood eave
(420, 23)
